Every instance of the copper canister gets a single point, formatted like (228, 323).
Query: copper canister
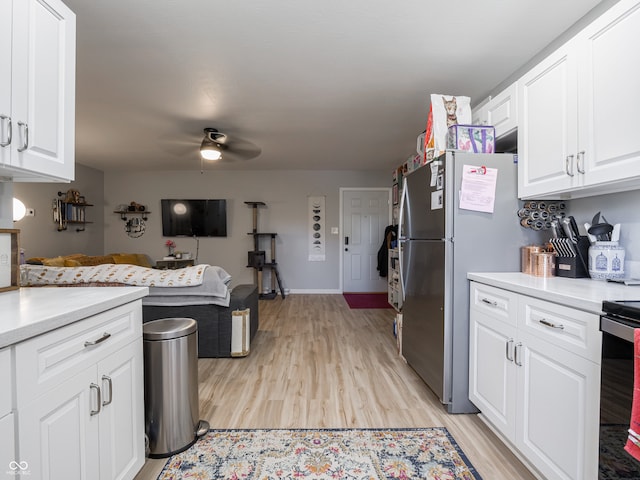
(543, 264)
(526, 253)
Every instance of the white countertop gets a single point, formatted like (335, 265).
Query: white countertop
(581, 293)
(28, 312)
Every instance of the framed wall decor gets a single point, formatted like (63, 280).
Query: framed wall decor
(9, 259)
(317, 233)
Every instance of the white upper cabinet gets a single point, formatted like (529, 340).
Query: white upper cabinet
(577, 127)
(37, 99)
(6, 9)
(479, 113)
(547, 125)
(500, 111)
(609, 69)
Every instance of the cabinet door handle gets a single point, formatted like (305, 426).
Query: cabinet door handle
(569, 161)
(91, 343)
(547, 323)
(95, 387)
(110, 384)
(517, 354)
(580, 162)
(25, 143)
(2, 119)
(508, 353)
(489, 302)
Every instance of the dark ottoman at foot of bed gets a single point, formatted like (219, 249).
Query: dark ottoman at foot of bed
(214, 321)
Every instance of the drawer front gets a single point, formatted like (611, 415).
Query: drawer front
(495, 302)
(570, 329)
(6, 380)
(46, 360)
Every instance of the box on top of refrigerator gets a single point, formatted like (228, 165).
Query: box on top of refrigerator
(471, 138)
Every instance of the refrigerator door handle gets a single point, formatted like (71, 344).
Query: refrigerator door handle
(401, 236)
(401, 210)
(400, 260)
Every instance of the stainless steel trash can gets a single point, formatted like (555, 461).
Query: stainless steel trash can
(171, 385)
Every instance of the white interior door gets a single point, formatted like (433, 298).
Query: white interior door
(365, 215)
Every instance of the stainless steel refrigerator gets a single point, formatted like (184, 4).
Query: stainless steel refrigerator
(440, 243)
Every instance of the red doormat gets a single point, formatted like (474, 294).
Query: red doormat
(367, 300)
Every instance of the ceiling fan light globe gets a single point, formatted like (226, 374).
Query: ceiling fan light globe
(210, 153)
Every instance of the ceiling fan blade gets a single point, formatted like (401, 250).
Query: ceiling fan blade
(242, 149)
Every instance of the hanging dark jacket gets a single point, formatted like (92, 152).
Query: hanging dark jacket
(390, 234)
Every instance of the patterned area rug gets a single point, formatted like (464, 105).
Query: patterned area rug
(369, 454)
(615, 463)
(367, 300)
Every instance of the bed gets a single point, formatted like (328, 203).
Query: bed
(201, 292)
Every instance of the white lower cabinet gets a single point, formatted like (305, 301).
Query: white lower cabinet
(81, 400)
(7, 443)
(535, 378)
(122, 418)
(7, 421)
(58, 437)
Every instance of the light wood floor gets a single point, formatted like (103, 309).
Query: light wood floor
(317, 364)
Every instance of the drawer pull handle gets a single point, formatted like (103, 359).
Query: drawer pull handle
(95, 342)
(110, 383)
(489, 302)
(547, 323)
(95, 387)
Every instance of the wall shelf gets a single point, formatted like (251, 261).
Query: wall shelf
(123, 214)
(70, 213)
(134, 226)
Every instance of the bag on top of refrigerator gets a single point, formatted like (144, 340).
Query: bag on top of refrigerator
(445, 110)
(471, 138)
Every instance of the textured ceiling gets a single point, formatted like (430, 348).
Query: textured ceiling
(295, 84)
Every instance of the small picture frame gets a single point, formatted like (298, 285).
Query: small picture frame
(395, 194)
(9, 259)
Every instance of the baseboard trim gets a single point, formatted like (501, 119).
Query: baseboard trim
(315, 291)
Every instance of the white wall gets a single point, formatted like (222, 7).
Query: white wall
(619, 208)
(285, 194)
(39, 235)
(6, 205)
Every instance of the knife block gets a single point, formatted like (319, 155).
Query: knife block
(574, 267)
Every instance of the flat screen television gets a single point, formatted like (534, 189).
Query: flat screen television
(194, 218)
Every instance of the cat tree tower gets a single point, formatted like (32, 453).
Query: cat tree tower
(258, 260)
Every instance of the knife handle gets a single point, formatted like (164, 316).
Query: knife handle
(574, 228)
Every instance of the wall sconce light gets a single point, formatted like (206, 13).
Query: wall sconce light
(19, 210)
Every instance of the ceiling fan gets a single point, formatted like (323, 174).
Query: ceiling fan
(215, 146)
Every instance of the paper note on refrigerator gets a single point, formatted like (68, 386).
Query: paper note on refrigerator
(478, 188)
